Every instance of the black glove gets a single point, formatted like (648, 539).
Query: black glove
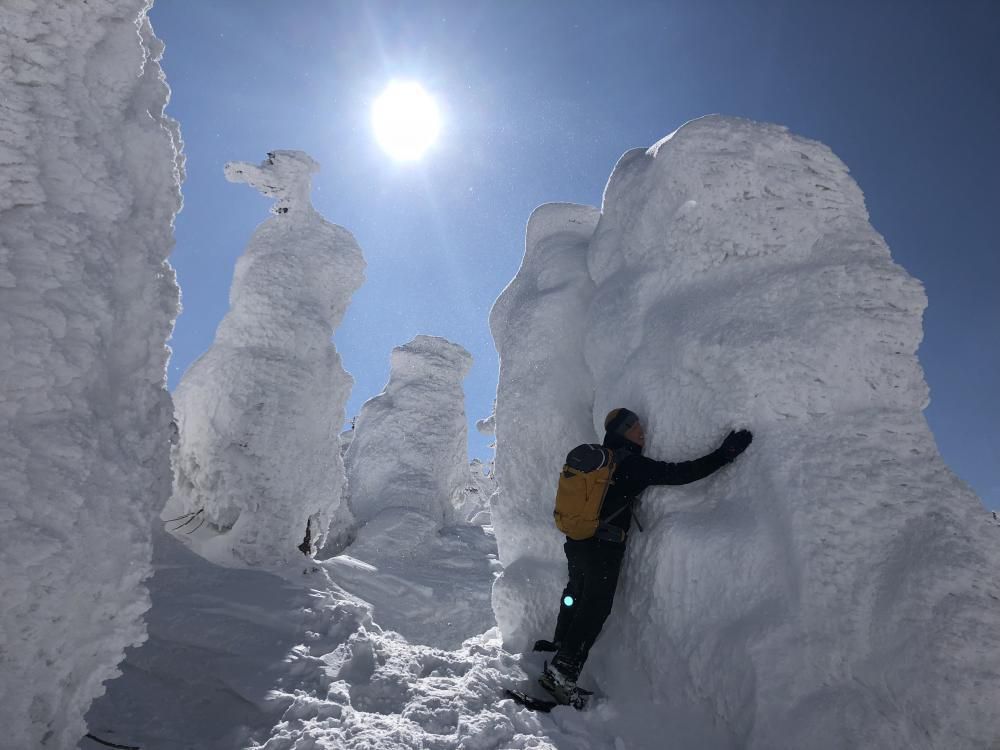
(735, 443)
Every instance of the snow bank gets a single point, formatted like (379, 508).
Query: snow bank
(835, 587)
(261, 411)
(410, 442)
(89, 185)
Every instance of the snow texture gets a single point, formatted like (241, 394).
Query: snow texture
(544, 407)
(241, 658)
(475, 504)
(261, 411)
(90, 172)
(410, 442)
(836, 586)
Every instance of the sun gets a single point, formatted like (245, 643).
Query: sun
(406, 120)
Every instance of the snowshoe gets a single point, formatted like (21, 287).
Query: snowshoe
(563, 688)
(535, 704)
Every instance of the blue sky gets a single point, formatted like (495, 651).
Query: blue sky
(539, 100)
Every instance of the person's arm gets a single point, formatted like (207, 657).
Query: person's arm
(649, 472)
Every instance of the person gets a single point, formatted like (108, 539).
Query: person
(594, 563)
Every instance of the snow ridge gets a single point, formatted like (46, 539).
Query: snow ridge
(259, 414)
(835, 587)
(89, 185)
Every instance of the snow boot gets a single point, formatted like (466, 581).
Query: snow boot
(562, 686)
(545, 646)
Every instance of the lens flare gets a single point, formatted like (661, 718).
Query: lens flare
(568, 601)
(406, 120)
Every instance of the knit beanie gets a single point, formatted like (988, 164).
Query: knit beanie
(620, 421)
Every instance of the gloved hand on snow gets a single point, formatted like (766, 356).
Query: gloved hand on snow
(735, 443)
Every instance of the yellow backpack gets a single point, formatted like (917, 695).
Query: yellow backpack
(583, 484)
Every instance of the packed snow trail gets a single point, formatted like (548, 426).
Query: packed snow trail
(244, 658)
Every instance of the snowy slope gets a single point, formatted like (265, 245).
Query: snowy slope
(90, 175)
(836, 587)
(260, 412)
(430, 584)
(289, 659)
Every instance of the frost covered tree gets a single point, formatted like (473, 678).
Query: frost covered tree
(260, 413)
(546, 389)
(835, 588)
(410, 445)
(89, 186)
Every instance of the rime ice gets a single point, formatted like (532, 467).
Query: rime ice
(544, 407)
(261, 411)
(832, 588)
(410, 443)
(90, 172)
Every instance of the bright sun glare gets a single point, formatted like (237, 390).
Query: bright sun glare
(406, 120)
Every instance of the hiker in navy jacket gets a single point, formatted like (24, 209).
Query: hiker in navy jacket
(594, 563)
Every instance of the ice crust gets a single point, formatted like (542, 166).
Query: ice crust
(409, 448)
(90, 172)
(260, 413)
(836, 586)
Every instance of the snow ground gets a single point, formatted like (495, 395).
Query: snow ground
(350, 652)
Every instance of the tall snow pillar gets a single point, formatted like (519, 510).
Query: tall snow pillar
(836, 586)
(410, 446)
(545, 398)
(89, 186)
(260, 413)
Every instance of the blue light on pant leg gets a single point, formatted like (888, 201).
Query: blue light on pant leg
(568, 601)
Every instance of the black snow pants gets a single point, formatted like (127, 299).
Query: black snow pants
(594, 565)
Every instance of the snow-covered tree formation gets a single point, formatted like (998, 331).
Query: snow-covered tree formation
(546, 389)
(89, 185)
(836, 586)
(260, 413)
(410, 442)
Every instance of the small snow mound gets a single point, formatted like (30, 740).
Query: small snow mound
(487, 425)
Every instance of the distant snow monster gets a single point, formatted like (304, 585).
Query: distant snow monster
(410, 445)
(260, 413)
(89, 187)
(840, 588)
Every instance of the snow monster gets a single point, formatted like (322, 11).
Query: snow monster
(837, 586)
(259, 414)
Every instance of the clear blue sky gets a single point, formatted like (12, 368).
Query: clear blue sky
(540, 100)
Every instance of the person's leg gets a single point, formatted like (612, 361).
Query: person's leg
(572, 592)
(600, 589)
(600, 563)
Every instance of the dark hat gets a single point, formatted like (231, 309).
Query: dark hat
(619, 421)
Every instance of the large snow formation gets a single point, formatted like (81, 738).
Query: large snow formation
(89, 185)
(410, 442)
(836, 586)
(544, 404)
(260, 412)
